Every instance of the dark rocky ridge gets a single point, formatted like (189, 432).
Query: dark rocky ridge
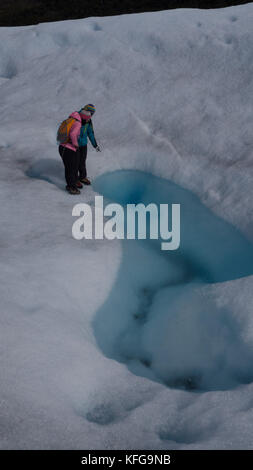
(25, 12)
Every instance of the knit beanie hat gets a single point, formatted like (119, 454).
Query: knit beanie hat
(88, 107)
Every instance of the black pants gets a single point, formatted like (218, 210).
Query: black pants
(74, 163)
(82, 162)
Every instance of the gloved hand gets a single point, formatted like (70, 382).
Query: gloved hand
(98, 149)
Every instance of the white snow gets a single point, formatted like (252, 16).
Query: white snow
(173, 92)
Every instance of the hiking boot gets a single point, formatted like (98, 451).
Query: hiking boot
(72, 190)
(85, 181)
(79, 185)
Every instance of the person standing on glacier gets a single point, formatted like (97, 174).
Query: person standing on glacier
(74, 152)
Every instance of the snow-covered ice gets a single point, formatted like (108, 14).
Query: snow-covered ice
(109, 344)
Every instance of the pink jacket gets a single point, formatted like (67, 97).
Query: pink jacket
(74, 132)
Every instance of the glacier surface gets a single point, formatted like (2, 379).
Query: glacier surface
(109, 344)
